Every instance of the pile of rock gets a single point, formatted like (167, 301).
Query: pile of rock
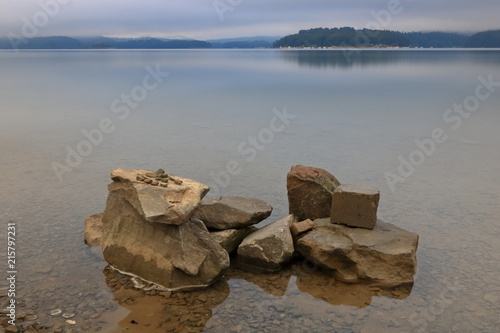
(159, 231)
(340, 231)
(158, 178)
(161, 228)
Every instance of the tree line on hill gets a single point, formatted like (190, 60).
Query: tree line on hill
(350, 37)
(63, 42)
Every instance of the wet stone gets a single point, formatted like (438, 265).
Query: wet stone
(11, 329)
(55, 312)
(491, 298)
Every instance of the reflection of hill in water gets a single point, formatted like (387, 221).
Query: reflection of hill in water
(349, 58)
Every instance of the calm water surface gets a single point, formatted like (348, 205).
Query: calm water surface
(355, 114)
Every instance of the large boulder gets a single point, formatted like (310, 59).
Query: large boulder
(173, 203)
(310, 192)
(386, 253)
(181, 255)
(232, 212)
(270, 247)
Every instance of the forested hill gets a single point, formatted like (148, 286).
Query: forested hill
(484, 39)
(343, 37)
(350, 37)
(62, 42)
(436, 39)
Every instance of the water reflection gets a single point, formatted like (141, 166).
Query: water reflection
(348, 58)
(157, 311)
(359, 295)
(267, 301)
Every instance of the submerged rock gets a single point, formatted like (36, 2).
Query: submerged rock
(270, 247)
(310, 192)
(386, 253)
(232, 212)
(174, 204)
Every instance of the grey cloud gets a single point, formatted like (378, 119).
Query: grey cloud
(199, 18)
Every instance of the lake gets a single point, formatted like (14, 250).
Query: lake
(421, 125)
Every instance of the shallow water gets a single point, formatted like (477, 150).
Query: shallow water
(355, 113)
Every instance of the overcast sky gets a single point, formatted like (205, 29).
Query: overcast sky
(206, 19)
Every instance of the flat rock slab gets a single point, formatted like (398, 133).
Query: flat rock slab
(174, 204)
(232, 212)
(177, 257)
(270, 247)
(386, 253)
(310, 192)
(93, 230)
(355, 206)
(230, 239)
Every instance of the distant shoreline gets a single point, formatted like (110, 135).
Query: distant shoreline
(335, 48)
(317, 38)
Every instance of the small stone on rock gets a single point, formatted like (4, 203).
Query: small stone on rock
(301, 227)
